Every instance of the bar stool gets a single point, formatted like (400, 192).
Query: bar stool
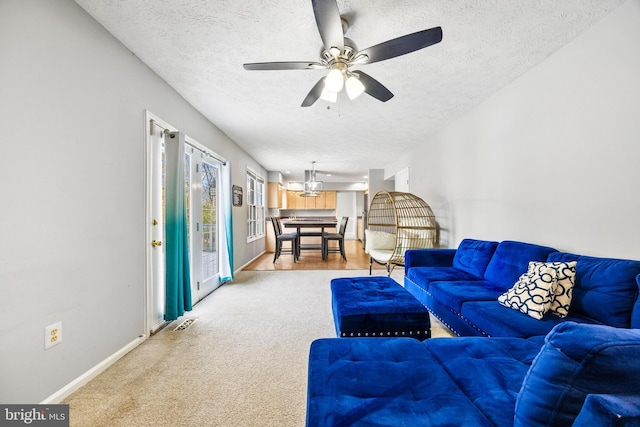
(284, 237)
(339, 237)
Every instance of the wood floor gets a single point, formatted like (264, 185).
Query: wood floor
(357, 259)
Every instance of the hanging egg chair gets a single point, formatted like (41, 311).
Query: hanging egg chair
(397, 222)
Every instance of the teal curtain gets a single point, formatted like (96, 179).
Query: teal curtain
(178, 279)
(226, 225)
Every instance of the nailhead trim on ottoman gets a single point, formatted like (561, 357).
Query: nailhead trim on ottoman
(377, 306)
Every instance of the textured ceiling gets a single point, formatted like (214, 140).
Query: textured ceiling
(198, 47)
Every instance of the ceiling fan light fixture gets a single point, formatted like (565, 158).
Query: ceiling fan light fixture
(354, 87)
(334, 80)
(329, 96)
(338, 53)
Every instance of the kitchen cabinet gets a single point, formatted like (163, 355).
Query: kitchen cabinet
(274, 195)
(329, 199)
(270, 241)
(291, 202)
(310, 202)
(326, 200)
(294, 200)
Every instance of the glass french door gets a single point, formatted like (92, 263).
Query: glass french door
(202, 177)
(157, 176)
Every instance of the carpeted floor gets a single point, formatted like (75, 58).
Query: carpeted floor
(243, 362)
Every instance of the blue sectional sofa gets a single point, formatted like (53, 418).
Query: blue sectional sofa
(474, 381)
(461, 288)
(507, 368)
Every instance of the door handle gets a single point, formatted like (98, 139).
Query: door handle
(156, 243)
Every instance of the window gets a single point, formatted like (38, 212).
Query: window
(255, 205)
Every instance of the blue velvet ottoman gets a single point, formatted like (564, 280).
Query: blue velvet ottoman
(377, 306)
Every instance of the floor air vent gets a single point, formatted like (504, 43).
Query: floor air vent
(184, 325)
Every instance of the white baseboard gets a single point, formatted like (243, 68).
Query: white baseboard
(250, 261)
(83, 379)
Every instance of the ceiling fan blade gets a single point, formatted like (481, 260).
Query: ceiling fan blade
(309, 65)
(329, 23)
(314, 94)
(402, 45)
(374, 87)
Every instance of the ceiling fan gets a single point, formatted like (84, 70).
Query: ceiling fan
(339, 53)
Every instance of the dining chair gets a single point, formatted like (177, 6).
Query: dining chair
(339, 237)
(284, 237)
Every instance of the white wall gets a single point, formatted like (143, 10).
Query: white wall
(72, 217)
(552, 158)
(377, 182)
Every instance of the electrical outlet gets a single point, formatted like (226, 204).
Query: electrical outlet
(52, 335)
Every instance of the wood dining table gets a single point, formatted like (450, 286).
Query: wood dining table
(310, 228)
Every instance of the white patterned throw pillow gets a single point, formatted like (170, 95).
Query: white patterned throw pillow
(565, 280)
(534, 292)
